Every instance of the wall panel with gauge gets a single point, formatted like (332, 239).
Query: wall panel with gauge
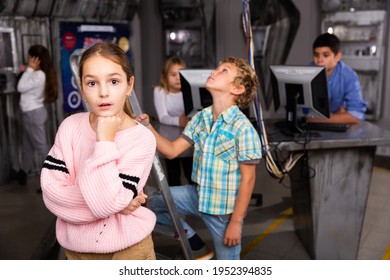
(361, 28)
(184, 25)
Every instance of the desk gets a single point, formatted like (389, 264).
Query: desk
(330, 187)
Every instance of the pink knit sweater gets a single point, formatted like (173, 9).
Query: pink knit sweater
(86, 184)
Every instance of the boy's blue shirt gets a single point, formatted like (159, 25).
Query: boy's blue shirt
(344, 90)
(219, 149)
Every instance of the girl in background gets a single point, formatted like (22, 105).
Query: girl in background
(168, 102)
(38, 86)
(93, 177)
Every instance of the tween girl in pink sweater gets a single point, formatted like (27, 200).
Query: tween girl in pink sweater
(93, 177)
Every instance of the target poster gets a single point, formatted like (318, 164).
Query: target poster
(77, 35)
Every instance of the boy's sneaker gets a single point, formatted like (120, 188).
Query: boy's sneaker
(203, 253)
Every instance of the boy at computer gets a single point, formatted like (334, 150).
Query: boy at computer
(226, 150)
(345, 95)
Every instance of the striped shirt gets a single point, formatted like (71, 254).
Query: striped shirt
(219, 149)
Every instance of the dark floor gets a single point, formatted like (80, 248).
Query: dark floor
(27, 227)
(25, 220)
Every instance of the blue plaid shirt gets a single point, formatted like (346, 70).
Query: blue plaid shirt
(219, 149)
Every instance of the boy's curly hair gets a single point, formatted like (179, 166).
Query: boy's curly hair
(247, 77)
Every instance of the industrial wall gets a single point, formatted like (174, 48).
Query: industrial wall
(224, 37)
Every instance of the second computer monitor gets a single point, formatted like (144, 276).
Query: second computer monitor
(195, 95)
(302, 91)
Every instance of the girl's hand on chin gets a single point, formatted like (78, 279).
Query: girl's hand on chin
(107, 127)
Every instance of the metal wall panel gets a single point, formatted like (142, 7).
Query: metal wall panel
(98, 9)
(28, 31)
(26, 7)
(362, 35)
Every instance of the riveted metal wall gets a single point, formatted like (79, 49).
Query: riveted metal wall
(99, 9)
(32, 22)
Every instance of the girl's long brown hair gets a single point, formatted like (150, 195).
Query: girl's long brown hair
(46, 65)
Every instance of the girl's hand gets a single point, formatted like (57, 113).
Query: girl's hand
(33, 62)
(107, 127)
(183, 120)
(144, 119)
(135, 203)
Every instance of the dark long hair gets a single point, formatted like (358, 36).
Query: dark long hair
(46, 65)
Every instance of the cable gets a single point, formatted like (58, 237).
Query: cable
(277, 169)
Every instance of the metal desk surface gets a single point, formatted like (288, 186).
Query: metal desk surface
(357, 135)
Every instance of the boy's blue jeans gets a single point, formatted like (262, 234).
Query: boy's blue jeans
(186, 202)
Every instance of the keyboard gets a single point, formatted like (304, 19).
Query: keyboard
(336, 127)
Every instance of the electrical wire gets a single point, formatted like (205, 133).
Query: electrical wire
(277, 169)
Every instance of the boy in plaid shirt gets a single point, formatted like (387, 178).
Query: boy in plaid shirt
(226, 150)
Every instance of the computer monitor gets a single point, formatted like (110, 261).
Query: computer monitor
(302, 91)
(195, 95)
(8, 51)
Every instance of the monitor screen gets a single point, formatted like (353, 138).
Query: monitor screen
(195, 95)
(8, 49)
(301, 91)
